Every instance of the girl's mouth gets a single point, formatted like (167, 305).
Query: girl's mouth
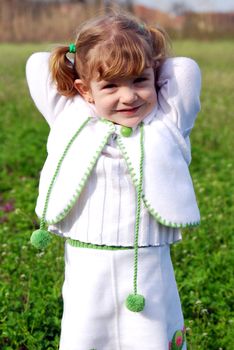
(129, 110)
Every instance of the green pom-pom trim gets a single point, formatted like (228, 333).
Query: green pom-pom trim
(135, 302)
(40, 238)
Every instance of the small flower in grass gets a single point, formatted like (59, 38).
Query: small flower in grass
(198, 302)
(8, 207)
(204, 311)
(40, 254)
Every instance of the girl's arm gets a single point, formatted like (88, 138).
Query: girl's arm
(43, 91)
(179, 91)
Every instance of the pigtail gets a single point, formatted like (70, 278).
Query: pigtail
(161, 47)
(63, 71)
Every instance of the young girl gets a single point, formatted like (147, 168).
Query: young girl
(116, 182)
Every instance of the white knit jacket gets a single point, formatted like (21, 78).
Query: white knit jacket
(168, 191)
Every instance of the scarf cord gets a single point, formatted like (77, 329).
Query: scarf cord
(136, 302)
(41, 237)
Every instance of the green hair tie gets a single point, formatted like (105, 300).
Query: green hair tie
(72, 48)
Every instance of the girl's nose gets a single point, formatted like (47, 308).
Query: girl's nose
(128, 95)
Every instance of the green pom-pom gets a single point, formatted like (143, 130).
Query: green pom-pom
(135, 302)
(40, 238)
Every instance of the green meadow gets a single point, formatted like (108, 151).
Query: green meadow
(31, 281)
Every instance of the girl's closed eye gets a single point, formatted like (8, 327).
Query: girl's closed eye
(140, 80)
(109, 86)
(136, 81)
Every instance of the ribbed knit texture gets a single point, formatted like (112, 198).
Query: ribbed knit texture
(94, 220)
(105, 212)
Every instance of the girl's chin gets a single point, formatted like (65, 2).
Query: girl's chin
(131, 122)
(128, 121)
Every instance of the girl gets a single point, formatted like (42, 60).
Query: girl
(116, 182)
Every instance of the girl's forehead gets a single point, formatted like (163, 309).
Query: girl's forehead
(122, 58)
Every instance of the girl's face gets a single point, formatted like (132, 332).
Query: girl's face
(122, 101)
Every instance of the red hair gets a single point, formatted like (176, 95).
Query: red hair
(109, 47)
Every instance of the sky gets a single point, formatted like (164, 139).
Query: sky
(195, 5)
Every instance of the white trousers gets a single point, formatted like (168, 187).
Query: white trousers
(96, 285)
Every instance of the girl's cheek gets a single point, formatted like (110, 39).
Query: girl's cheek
(108, 101)
(154, 95)
(103, 104)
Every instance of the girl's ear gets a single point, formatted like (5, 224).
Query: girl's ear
(83, 90)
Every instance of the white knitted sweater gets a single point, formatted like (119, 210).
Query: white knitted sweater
(105, 210)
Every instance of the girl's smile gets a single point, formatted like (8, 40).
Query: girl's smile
(129, 111)
(124, 101)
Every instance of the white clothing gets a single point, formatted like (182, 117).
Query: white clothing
(97, 282)
(168, 194)
(96, 285)
(102, 223)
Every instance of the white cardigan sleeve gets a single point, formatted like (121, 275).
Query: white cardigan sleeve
(179, 91)
(43, 91)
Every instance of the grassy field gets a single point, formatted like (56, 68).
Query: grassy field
(30, 284)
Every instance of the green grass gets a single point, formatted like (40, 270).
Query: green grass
(30, 284)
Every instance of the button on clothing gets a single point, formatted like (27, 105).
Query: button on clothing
(125, 131)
